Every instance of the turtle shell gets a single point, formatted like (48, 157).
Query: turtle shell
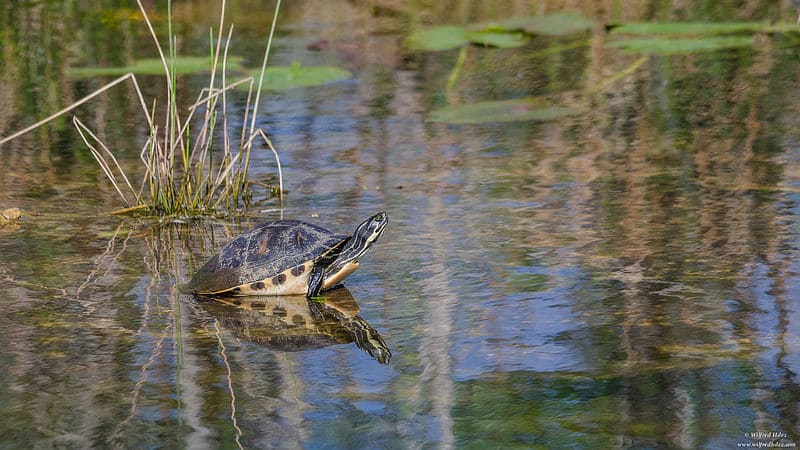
(274, 258)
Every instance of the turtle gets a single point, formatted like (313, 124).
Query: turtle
(286, 257)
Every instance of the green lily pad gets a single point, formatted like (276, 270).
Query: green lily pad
(550, 25)
(701, 28)
(668, 46)
(452, 36)
(437, 38)
(296, 75)
(497, 39)
(502, 111)
(154, 66)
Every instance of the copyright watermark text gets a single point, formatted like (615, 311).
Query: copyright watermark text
(766, 439)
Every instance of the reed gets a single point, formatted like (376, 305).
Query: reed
(181, 177)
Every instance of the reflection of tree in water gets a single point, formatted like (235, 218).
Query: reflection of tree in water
(683, 237)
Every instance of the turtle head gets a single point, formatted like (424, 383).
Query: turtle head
(370, 230)
(362, 239)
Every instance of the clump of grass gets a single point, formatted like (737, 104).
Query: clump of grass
(181, 177)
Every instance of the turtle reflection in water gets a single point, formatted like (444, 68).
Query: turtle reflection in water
(286, 257)
(293, 323)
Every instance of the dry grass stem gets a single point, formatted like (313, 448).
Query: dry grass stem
(277, 162)
(264, 68)
(81, 102)
(102, 161)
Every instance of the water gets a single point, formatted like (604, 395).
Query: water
(627, 277)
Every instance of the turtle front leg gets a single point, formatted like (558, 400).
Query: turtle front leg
(315, 281)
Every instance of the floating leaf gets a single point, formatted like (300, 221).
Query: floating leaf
(451, 36)
(437, 38)
(154, 66)
(497, 33)
(296, 75)
(496, 39)
(550, 25)
(667, 46)
(502, 111)
(701, 28)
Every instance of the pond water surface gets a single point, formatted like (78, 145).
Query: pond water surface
(624, 277)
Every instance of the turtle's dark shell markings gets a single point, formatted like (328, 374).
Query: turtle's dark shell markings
(286, 257)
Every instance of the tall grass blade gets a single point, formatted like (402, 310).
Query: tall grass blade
(277, 161)
(263, 69)
(101, 160)
(77, 104)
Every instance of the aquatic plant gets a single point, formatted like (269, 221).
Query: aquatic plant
(687, 38)
(641, 38)
(154, 66)
(507, 33)
(181, 176)
(529, 108)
